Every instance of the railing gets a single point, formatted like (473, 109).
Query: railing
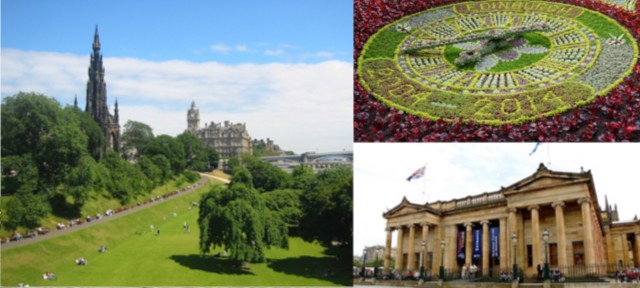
(569, 273)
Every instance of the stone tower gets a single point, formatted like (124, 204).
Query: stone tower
(193, 118)
(96, 104)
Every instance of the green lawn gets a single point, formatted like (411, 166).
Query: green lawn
(137, 257)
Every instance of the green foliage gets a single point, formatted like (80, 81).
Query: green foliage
(197, 156)
(26, 117)
(285, 203)
(126, 181)
(19, 173)
(26, 209)
(327, 207)
(191, 176)
(266, 177)
(170, 148)
(237, 219)
(89, 127)
(385, 44)
(151, 170)
(301, 176)
(603, 26)
(135, 136)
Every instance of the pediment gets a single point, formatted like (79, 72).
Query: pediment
(405, 207)
(544, 177)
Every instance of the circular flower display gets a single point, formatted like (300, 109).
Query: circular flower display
(496, 62)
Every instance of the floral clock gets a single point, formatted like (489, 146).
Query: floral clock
(420, 63)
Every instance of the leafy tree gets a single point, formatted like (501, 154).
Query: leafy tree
(151, 170)
(58, 151)
(197, 155)
(212, 157)
(126, 180)
(301, 176)
(232, 164)
(266, 177)
(286, 203)
(135, 136)
(170, 148)
(90, 128)
(26, 117)
(19, 172)
(164, 165)
(81, 179)
(327, 207)
(26, 209)
(237, 219)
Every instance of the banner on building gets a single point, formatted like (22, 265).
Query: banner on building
(460, 245)
(477, 243)
(494, 240)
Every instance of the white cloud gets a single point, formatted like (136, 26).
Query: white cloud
(220, 48)
(274, 52)
(320, 54)
(242, 48)
(303, 107)
(456, 170)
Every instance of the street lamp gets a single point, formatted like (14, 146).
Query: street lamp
(422, 245)
(364, 259)
(442, 260)
(545, 238)
(514, 238)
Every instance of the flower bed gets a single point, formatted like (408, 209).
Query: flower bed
(422, 98)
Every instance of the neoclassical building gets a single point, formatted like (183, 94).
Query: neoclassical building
(491, 230)
(229, 140)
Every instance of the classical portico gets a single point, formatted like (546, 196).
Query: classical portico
(479, 229)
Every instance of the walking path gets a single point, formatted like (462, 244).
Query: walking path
(55, 233)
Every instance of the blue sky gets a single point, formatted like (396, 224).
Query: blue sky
(195, 30)
(282, 67)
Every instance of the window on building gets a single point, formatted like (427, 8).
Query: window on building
(553, 254)
(578, 253)
(529, 256)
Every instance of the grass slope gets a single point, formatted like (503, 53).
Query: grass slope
(137, 257)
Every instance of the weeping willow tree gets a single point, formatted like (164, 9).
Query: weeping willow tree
(237, 219)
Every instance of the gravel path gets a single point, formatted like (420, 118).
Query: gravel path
(55, 233)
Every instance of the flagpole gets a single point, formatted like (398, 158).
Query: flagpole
(424, 182)
(549, 155)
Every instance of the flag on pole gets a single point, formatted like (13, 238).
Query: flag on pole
(534, 149)
(419, 173)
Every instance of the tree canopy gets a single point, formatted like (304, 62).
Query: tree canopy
(327, 206)
(53, 160)
(135, 136)
(237, 219)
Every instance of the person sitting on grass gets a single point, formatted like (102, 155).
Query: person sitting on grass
(102, 249)
(49, 276)
(81, 261)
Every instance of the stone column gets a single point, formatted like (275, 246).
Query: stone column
(485, 247)
(468, 244)
(512, 230)
(561, 233)
(625, 249)
(535, 234)
(387, 251)
(637, 255)
(587, 227)
(399, 247)
(411, 257)
(425, 236)
(503, 244)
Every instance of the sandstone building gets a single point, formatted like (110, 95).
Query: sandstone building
(96, 104)
(492, 230)
(229, 140)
